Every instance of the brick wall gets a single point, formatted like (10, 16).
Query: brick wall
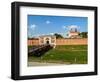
(82, 41)
(33, 42)
(71, 41)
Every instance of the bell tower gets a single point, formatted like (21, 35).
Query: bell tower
(73, 32)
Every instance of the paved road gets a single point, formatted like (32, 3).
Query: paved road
(43, 64)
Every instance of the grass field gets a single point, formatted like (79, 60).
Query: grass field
(64, 54)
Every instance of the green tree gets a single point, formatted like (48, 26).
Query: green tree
(58, 35)
(83, 34)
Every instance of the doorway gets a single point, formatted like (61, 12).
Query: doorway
(47, 42)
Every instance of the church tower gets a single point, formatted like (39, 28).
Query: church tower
(73, 33)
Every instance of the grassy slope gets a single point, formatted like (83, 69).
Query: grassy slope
(64, 54)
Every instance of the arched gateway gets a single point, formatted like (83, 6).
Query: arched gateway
(47, 39)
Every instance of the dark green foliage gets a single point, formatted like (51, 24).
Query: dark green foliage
(84, 34)
(58, 35)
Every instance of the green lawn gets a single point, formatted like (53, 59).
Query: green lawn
(67, 54)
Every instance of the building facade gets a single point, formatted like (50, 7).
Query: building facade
(73, 33)
(47, 39)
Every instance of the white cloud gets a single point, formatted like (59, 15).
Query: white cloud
(31, 30)
(48, 22)
(33, 26)
(73, 26)
(51, 33)
(64, 27)
(70, 26)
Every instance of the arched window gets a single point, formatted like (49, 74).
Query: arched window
(47, 38)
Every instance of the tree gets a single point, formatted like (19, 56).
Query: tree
(83, 34)
(58, 35)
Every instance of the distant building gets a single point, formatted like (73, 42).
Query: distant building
(47, 39)
(73, 33)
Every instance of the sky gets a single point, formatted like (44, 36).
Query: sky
(48, 25)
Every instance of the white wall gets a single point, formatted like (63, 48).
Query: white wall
(5, 40)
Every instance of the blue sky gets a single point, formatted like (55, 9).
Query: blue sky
(45, 25)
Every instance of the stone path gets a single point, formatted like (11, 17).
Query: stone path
(43, 64)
